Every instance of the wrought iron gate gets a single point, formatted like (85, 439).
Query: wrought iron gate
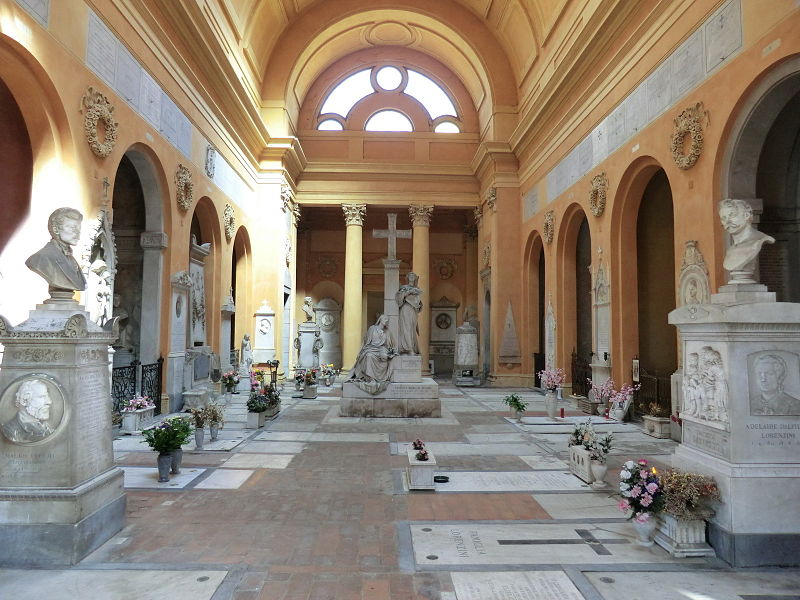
(655, 389)
(136, 378)
(581, 374)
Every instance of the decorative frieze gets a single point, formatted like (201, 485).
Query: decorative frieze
(211, 157)
(491, 199)
(96, 108)
(184, 188)
(694, 287)
(229, 221)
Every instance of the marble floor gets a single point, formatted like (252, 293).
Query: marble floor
(315, 507)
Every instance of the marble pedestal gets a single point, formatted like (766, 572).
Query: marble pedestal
(466, 371)
(732, 428)
(62, 496)
(307, 333)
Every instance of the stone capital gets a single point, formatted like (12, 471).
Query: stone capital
(354, 214)
(420, 215)
(478, 213)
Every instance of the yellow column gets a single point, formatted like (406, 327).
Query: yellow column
(351, 318)
(421, 221)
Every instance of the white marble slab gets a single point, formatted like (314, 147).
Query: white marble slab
(459, 449)
(224, 479)
(580, 506)
(545, 463)
(704, 585)
(258, 461)
(131, 443)
(492, 428)
(532, 544)
(302, 436)
(569, 420)
(110, 584)
(273, 447)
(497, 438)
(608, 427)
(219, 444)
(147, 477)
(505, 585)
(509, 481)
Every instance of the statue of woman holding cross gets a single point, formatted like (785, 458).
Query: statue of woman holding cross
(409, 299)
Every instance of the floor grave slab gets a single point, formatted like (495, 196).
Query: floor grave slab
(545, 463)
(474, 544)
(147, 477)
(110, 584)
(461, 449)
(131, 443)
(273, 447)
(509, 481)
(703, 585)
(607, 427)
(258, 461)
(498, 438)
(597, 505)
(301, 436)
(224, 479)
(218, 444)
(293, 425)
(505, 585)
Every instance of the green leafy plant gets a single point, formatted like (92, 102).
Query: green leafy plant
(257, 403)
(515, 402)
(169, 435)
(600, 448)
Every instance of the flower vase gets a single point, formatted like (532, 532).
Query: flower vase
(518, 415)
(645, 531)
(177, 459)
(214, 432)
(618, 414)
(599, 471)
(199, 436)
(551, 403)
(164, 465)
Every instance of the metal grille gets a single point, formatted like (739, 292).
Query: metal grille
(151, 383)
(538, 365)
(655, 388)
(123, 384)
(581, 373)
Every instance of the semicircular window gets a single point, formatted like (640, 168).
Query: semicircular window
(345, 95)
(432, 97)
(388, 120)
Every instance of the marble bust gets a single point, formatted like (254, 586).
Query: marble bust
(308, 308)
(740, 259)
(33, 410)
(54, 262)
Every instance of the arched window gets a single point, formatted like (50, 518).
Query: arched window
(389, 83)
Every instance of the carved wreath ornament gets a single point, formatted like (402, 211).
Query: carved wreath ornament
(688, 123)
(597, 195)
(549, 226)
(184, 189)
(96, 108)
(229, 218)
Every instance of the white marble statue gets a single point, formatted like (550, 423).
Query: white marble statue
(246, 358)
(54, 262)
(371, 369)
(30, 424)
(308, 309)
(692, 392)
(741, 258)
(409, 301)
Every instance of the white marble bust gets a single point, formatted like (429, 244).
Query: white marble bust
(54, 262)
(740, 259)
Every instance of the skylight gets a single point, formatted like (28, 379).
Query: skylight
(345, 95)
(432, 97)
(388, 120)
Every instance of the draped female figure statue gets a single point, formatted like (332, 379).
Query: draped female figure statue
(371, 369)
(409, 301)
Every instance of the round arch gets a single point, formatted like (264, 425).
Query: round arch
(210, 228)
(241, 283)
(328, 289)
(533, 296)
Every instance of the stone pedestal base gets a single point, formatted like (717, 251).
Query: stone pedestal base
(406, 368)
(72, 521)
(397, 400)
(466, 375)
(419, 473)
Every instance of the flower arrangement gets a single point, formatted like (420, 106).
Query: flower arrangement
(600, 448)
(169, 435)
(687, 495)
(230, 378)
(515, 402)
(552, 378)
(422, 455)
(199, 417)
(137, 403)
(259, 376)
(618, 398)
(603, 391)
(328, 370)
(641, 489)
(311, 377)
(257, 403)
(654, 409)
(582, 435)
(418, 444)
(299, 376)
(214, 415)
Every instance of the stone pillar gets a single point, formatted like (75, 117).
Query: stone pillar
(351, 326)
(226, 335)
(421, 221)
(153, 244)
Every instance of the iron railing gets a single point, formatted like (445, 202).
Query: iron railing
(581, 374)
(654, 388)
(136, 378)
(123, 384)
(151, 383)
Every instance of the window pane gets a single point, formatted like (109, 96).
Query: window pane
(389, 78)
(432, 97)
(330, 125)
(389, 120)
(447, 127)
(347, 93)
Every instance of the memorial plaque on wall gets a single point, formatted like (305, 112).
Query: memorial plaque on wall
(659, 90)
(723, 33)
(129, 77)
(687, 65)
(636, 111)
(101, 49)
(150, 99)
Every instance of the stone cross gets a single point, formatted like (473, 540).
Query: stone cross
(586, 537)
(392, 234)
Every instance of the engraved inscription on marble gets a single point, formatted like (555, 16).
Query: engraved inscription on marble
(585, 156)
(530, 203)
(616, 128)
(94, 422)
(101, 49)
(150, 100)
(129, 77)
(504, 585)
(688, 65)
(659, 90)
(774, 436)
(711, 441)
(774, 383)
(636, 110)
(38, 9)
(723, 32)
(169, 120)
(599, 143)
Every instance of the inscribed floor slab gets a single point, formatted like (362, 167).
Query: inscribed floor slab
(505, 585)
(509, 481)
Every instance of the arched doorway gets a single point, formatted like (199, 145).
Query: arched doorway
(204, 250)
(655, 282)
(486, 326)
(535, 301)
(240, 289)
(16, 156)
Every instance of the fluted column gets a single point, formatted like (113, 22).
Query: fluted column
(421, 221)
(351, 318)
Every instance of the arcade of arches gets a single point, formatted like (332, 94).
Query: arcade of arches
(591, 142)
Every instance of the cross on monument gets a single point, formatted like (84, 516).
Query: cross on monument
(585, 537)
(392, 234)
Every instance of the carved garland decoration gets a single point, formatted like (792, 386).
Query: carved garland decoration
(597, 195)
(549, 226)
(688, 123)
(229, 218)
(96, 108)
(184, 188)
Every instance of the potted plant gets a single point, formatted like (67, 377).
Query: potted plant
(551, 379)
(600, 395)
(299, 379)
(516, 405)
(681, 527)
(137, 413)
(166, 438)
(273, 398)
(328, 373)
(598, 454)
(642, 494)
(621, 401)
(256, 407)
(199, 418)
(230, 379)
(215, 417)
(656, 420)
(310, 389)
(580, 443)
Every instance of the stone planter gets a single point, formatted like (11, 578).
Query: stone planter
(255, 420)
(586, 405)
(682, 538)
(164, 465)
(214, 429)
(580, 464)
(272, 411)
(658, 427)
(551, 403)
(420, 472)
(310, 391)
(136, 420)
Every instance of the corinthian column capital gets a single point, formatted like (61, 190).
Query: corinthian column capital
(354, 213)
(420, 215)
